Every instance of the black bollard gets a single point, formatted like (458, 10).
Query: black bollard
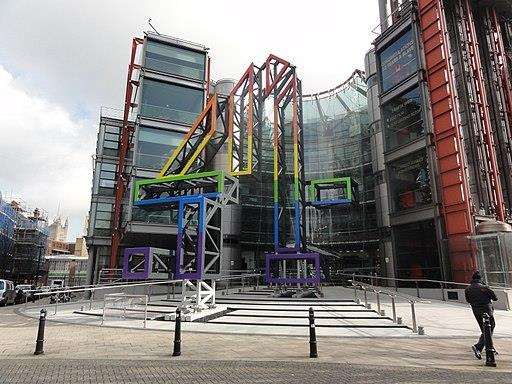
(489, 347)
(40, 333)
(177, 334)
(313, 352)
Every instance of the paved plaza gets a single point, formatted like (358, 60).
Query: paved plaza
(81, 353)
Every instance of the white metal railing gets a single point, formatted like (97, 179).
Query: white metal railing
(393, 296)
(120, 301)
(92, 289)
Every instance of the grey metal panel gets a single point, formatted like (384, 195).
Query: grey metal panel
(171, 79)
(158, 229)
(176, 41)
(403, 87)
(422, 214)
(409, 148)
(162, 124)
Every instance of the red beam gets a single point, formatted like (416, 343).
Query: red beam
(124, 147)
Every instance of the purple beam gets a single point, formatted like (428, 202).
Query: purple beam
(269, 257)
(129, 275)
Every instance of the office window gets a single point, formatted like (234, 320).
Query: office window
(409, 182)
(176, 61)
(403, 122)
(398, 61)
(155, 146)
(170, 102)
(107, 179)
(102, 219)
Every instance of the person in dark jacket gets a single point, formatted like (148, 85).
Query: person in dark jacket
(480, 297)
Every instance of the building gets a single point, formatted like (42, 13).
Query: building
(337, 144)
(23, 256)
(440, 104)
(422, 136)
(7, 223)
(171, 92)
(59, 231)
(66, 270)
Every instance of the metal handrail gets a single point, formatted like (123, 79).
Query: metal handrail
(412, 280)
(95, 287)
(392, 295)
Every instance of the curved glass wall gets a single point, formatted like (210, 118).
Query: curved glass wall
(336, 145)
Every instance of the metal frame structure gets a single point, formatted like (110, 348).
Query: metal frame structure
(183, 182)
(316, 186)
(302, 272)
(150, 260)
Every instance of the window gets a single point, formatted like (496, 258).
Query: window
(111, 141)
(155, 146)
(171, 102)
(416, 251)
(403, 122)
(107, 179)
(410, 182)
(177, 61)
(398, 61)
(102, 219)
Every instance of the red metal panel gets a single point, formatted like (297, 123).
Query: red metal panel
(448, 141)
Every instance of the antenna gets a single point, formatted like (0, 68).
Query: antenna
(151, 25)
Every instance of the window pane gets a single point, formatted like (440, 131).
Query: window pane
(155, 146)
(102, 224)
(402, 119)
(103, 215)
(104, 207)
(410, 182)
(107, 175)
(174, 60)
(398, 61)
(111, 144)
(107, 183)
(108, 167)
(171, 102)
(111, 137)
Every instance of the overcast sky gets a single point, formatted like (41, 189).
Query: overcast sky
(61, 60)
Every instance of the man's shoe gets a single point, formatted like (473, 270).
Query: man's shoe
(477, 353)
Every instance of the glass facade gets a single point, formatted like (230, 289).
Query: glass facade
(175, 61)
(409, 182)
(416, 251)
(172, 102)
(154, 146)
(102, 219)
(398, 61)
(402, 119)
(337, 144)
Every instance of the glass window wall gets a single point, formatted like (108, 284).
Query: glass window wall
(409, 182)
(170, 102)
(155, 146)
(398, 61)
(403, 121)
(176, 61)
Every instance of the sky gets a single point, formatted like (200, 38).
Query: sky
(61, 60)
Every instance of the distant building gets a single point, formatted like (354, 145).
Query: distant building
(59, 231)
(25, 261)
(66, 270)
